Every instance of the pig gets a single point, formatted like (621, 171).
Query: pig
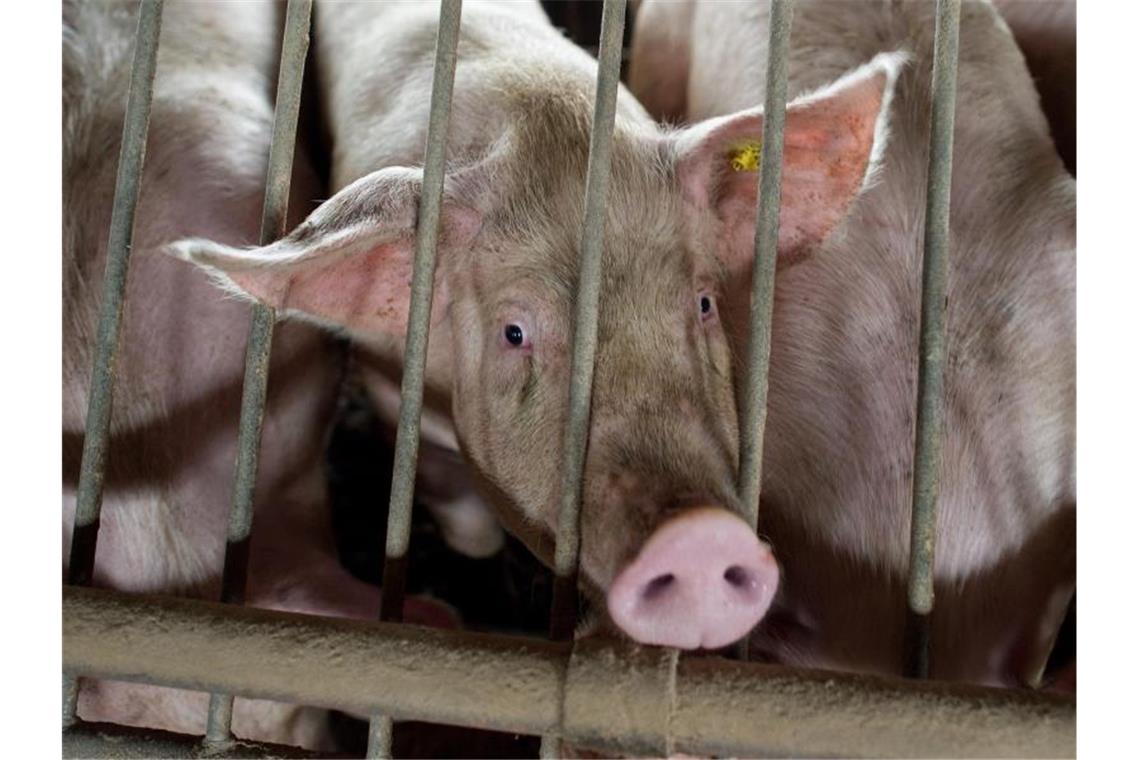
(839, 445)
(665, 555)
(1046, 32)
(178, 390)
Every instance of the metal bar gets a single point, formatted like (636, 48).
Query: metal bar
(132, 156)
(614, 695)
(380, 729)
(575, 436)
(550, 747)
(928, 432)
(754, 411)
(274, 216)
(70, 700)
(415, 347)
(576, 433)
(754, 406)
(107, 740)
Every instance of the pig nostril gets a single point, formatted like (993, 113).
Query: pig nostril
(657, 586)
(738, 577)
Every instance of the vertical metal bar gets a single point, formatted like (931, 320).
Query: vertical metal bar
(928, 434)
(754, 412)
(576, 433)
(274, 214)
(379, 737)
(564, 607)
(754, 407)
(70, 700)
(551, 747)
(132, 155)
(415, 348)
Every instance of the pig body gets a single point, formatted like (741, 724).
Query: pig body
(839, 443)
(178, 390)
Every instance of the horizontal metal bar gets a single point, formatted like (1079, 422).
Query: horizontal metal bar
(616, 696)
(935, 261)
(107, 740)
(274, 213)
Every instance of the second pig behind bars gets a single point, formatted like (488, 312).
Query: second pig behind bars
(839, 449)
(664, 552)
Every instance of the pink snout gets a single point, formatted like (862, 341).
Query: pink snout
(702, 580)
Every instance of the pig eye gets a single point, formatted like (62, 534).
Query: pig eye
(707, 306)
(514, 335)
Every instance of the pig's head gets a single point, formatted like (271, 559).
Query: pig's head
(660, 535)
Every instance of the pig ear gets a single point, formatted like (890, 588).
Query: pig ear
(349, 264)
(833, 141)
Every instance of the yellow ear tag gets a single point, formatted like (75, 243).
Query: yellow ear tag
(746, 158)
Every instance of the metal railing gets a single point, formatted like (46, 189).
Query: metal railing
(617, 696)
(558, 689)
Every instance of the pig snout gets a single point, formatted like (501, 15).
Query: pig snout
(702, 580)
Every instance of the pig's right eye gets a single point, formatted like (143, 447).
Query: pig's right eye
(514, 335)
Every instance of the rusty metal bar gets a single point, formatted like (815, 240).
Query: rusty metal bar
(575, 436)
(754, 411)
(415, 347)
(616, 696)
(132, 155)
(928, 433)
(107, 740)
(274, 215)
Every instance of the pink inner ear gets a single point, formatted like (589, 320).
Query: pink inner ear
(828, 142)
(827, 150)
(367, 292)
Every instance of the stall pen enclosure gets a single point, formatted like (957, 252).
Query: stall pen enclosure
(613, 695)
